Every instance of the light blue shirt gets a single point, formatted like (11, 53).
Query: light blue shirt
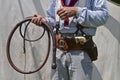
(92, 15)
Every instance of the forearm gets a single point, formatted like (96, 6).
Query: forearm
(51, 21)
(50, 13)
(92, 18)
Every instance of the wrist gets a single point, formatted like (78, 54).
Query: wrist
(76, 12)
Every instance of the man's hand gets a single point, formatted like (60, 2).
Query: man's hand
(37, 19)
(66, 12)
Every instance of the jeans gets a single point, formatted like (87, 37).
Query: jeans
(74, 65)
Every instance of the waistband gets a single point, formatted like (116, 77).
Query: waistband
(69, 35)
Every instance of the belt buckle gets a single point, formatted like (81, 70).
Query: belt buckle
(62, 45)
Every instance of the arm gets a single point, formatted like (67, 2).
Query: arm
(50, 16)
(93, 18)
(50, 13)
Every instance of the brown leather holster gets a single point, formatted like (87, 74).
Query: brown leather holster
(67, 44)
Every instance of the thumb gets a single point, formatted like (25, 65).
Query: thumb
(44, 19)
(35, 15)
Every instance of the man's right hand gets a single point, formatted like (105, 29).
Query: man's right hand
(37, 19)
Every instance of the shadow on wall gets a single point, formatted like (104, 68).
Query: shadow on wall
(114, 27)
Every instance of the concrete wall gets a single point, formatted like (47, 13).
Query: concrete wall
(107, 39)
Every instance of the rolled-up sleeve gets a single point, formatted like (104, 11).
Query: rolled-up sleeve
(94, 17)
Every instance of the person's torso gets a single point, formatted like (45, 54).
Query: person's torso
(71, 27)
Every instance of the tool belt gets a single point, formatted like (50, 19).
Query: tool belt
(67, 44)
(78, 43)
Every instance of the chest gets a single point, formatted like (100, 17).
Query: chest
(78, 3)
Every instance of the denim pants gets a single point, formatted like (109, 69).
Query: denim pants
(74, 65)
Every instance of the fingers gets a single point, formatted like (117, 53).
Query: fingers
(44, 20)
(66, 12)
(37, 19)
(62, 13)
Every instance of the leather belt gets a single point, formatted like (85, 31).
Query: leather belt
(67, 44)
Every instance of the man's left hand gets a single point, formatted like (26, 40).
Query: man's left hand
(66, 12)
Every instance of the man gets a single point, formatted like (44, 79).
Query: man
(74, 64)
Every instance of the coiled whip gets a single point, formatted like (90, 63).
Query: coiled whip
(50, 34)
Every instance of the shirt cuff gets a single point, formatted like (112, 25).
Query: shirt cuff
(80, 16)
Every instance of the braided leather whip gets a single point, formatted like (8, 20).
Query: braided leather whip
(50, 34)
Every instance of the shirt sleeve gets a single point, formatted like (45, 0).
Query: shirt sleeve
(50, 13)
(94, 17)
